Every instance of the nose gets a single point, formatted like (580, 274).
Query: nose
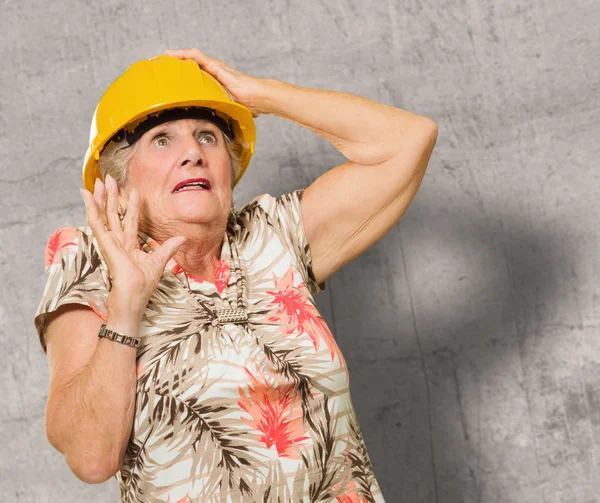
(192, 152)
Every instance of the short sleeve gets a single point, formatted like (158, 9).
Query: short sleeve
(289, 217)
(75, 274)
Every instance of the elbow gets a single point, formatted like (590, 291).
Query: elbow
(87, 463)
(419, 145)
(91, 469)
(431, 130)
(434, 133)
(429, 138)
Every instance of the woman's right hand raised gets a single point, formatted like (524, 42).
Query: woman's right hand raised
(134, 274)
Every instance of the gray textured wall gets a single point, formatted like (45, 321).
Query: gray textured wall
(470, 329)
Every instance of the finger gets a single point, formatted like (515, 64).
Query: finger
(183, 53)
(100, 197)
(188, 52)
(169, 248)
(131, 220)
(197, 55)
(112, 205)
(93, 216)
(174, 52)
(109, 246)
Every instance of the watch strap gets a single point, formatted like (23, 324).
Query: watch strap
(115, 336)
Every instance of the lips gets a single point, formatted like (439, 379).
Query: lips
(196, 183)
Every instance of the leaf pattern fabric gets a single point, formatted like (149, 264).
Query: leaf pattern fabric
(256, 412)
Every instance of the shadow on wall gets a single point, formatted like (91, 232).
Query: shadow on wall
(434, 322)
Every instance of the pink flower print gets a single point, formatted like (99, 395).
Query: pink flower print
(182, 500)
(222, 275)
(58, 240)
(350, 494)
(176, 269)
(297, 312)
(152, 243)
(276, 411)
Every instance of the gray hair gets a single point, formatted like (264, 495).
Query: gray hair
(113, 161)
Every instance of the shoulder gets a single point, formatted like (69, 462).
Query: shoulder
(279, 208)
(266, 215)
(286, 201)
(70, 241)
(262, 202)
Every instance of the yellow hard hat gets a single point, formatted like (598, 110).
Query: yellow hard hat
(157, 84)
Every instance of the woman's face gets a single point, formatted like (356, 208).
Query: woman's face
(171, 153)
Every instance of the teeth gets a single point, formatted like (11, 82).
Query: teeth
(194, 184)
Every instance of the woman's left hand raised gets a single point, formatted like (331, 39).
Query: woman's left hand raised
(245, 89)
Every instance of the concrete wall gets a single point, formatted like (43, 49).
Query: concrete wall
(470, 329)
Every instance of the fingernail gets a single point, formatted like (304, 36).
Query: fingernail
(96, 184)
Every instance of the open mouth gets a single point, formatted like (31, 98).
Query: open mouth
(192, 184)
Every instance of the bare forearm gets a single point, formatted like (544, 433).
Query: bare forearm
(364, 131)
(91, 423)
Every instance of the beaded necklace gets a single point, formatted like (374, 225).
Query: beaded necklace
(238, 314)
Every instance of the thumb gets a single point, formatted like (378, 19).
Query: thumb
(169, 248)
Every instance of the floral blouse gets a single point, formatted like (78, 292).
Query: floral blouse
(252, 412)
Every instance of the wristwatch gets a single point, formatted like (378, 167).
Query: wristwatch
(114, 336)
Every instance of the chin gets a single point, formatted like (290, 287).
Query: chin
(197, 214)
(198, 208)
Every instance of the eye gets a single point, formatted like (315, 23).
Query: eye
(208, 135)
(161, 138)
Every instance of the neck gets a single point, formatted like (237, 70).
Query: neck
(200, 254)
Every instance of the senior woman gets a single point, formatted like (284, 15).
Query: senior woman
(187, 357)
